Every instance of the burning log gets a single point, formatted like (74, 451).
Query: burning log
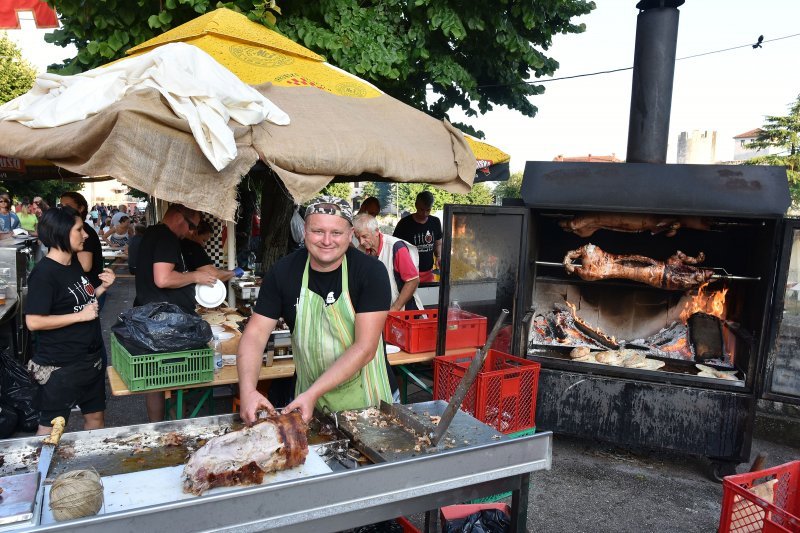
(705, 335)
(671, 342)
(593, 333)
(561, 327)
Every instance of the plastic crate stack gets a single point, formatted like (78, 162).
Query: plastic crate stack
(502, 396)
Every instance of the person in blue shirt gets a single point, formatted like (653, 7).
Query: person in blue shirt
(8, 218)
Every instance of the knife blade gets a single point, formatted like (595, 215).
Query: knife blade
(49, 444)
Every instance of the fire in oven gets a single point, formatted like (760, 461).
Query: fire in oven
(658, 295)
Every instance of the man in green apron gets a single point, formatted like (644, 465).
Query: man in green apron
(335, 300)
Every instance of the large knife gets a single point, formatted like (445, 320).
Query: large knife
(49, 444)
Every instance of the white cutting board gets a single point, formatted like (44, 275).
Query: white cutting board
(125, 491)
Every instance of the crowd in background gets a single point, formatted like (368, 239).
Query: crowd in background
(72, 236)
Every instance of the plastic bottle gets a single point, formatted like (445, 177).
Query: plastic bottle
(453, 311)
(217, 356)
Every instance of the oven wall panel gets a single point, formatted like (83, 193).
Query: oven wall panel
(646, 415)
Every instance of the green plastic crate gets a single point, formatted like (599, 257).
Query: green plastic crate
(162, 370)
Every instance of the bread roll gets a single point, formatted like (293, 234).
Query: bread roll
(580, 352)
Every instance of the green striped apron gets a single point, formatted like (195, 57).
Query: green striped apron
(321, 335)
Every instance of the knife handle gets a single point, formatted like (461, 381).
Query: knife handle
(55, 433)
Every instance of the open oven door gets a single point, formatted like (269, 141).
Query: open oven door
(780, 374)
(484, 269)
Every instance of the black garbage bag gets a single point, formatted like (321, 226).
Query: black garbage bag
(486, 521)
(8, 421)
(161, 327)
(19, 391)
(389, 526)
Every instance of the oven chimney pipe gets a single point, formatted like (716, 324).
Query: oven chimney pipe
(653, 72)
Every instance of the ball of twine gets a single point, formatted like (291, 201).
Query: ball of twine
(76, 494)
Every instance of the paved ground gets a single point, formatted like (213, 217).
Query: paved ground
(592, 487)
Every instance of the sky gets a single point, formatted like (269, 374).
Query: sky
(728, 92)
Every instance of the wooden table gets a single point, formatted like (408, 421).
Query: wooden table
(283, 368)
(403, 361)
(110, 257)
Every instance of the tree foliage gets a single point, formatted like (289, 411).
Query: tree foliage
(510, 188)
(783, 133)
(339, 190)
(471, 55)
(16, 78)
(407, 196)
(50, 190)
(16, 74)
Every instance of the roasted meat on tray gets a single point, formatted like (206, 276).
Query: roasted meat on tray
(243, 457)
(677, 273)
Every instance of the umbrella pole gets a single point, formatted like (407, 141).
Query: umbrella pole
(231, 259)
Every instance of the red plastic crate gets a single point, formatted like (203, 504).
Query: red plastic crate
(503, 394)
(743, 511)
(407, 526)
(457, 512)
(415, 331)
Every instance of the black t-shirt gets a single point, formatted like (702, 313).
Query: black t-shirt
(92, 244)
(194, 255)
(56, 289)
(160, 245)
(133, 252)
(423, 236)
(280, 290)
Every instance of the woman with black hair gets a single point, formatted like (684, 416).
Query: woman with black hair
(62, 309)
(91, 256)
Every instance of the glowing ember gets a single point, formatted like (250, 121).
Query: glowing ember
(680, 346)
(712, 303)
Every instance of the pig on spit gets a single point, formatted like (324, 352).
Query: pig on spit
(243, 457)
(677, 273)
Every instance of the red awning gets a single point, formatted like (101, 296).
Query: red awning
(44, 16)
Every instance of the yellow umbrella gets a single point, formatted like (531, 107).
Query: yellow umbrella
(259, 55)
(492, 161)
(341, 127)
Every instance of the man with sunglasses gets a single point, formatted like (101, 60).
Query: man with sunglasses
(8, 218)
(162, 274)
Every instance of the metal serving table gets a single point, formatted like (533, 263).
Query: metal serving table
(328, 502)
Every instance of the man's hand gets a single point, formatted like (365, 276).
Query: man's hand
(204, 278)
(250, 404)
(305, 403)
(89, 312)
(107, 278)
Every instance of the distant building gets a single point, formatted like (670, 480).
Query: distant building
(740, 150)
(697, 147)
(588, 159)
(110, 192)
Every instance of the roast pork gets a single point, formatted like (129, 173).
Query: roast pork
(586, 225)
(243, 457)
(677, 273)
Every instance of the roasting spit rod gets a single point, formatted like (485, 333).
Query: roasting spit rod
(720, 273)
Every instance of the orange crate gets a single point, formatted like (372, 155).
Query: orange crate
(415, 331)
(743, 511)
(503, 394)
